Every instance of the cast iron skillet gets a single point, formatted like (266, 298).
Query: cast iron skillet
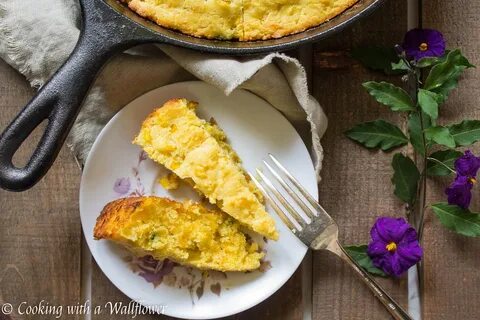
(108, 28)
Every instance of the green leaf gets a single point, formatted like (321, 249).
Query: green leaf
(428, 102)
(463, 61)
(466, 132)
(415, 131)
(400, 65)
(359, 254)
(457, 219)
(445, 158)
(444, 90)
(377, 58)
(377, 134)
(451, 68)
(388, 94)
(428, 61)
(440, 135)
(405, 178)
(461, 64)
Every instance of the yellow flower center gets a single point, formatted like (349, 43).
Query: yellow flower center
(472, 180)
(392, 246)
(423, 46)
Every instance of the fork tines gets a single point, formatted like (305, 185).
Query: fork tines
(289, 215)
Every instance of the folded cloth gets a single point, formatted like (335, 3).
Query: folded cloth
(36, 37)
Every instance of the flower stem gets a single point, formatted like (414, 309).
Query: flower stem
(423, 182)
(417, 213)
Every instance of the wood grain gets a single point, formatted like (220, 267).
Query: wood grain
(451, 263)
(40, 230)
(355, 187)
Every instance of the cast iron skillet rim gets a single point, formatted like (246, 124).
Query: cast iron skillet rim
(248, 47)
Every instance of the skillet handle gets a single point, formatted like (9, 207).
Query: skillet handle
(58, 101)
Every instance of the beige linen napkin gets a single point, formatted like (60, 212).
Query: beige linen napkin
(36, 37)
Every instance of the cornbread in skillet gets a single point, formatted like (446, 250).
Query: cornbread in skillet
(266, 19)
(186, 233)
(243, 20)
(213, 19)
(197, 151)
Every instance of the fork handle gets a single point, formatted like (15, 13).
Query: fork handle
(393, 307)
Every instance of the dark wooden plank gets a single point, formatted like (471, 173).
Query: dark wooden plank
(40, 231)
(285, 304)
(355, 187)
(452, 280)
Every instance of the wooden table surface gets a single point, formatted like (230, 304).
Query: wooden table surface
(41, 239)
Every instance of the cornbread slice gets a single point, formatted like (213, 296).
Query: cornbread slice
(186, 233)
(196, 150)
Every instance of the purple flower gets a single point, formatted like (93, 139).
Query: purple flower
(420, 43)
(460, 192)
(467, 165)
(394, 247)
(122, 186)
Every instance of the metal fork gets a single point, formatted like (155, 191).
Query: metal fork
(319, 231)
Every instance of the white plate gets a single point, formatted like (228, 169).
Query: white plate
(254, 129)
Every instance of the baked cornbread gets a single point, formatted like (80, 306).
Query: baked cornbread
(197, 151)
(266, 19)
(186, 233)
(213, 19)
(242, 20)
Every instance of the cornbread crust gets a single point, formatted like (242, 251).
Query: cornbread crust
(186, 233)
(244, 20)
(197, 151)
